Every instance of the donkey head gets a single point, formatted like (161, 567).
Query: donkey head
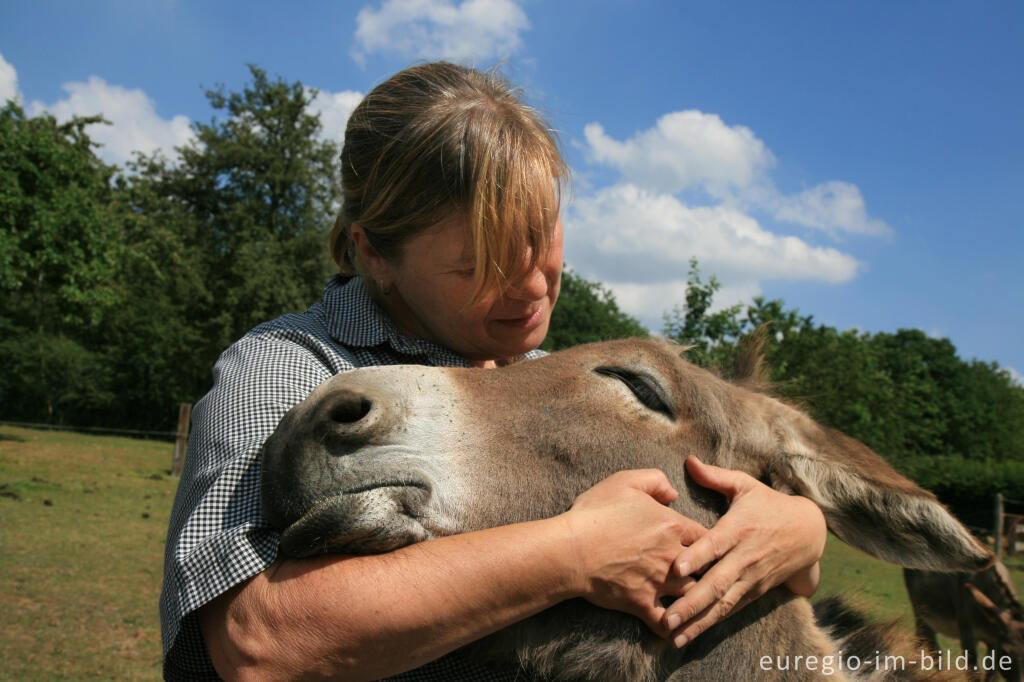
(381, 457)
(1001, 627)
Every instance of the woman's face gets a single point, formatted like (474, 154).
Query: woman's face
(434, 278)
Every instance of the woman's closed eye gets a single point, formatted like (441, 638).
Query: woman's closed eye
(642, 386)
(462, 269)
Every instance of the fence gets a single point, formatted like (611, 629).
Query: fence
(1008, 527)
(180, 435)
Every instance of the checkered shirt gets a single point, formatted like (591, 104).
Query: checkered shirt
(217, 536)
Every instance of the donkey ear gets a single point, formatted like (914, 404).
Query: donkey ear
(979, 597)
(997, 618)
(866, 502)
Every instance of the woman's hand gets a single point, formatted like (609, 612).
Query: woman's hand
(765, 539)
(626, 541)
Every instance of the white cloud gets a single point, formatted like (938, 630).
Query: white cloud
(639, 243)
(625, 223)
(831, 206)
(440, 29)
(136, 125)
(8, 81)
(684, 149)
(334, 109)
(1014, 375)
(694, 150)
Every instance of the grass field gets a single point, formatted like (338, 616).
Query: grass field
(81, 554)
(82, 527)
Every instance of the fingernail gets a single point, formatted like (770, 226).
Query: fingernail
(673, 621)
(684, 568)
(680, 641)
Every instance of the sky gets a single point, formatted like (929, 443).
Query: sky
(861, 160)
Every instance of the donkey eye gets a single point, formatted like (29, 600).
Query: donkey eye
(643, 387)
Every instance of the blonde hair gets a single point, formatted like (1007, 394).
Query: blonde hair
(437, 140)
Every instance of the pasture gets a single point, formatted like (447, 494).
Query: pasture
(82, 525)
(81, 554)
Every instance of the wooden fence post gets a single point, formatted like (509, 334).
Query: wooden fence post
(181, 440)
(999, 526)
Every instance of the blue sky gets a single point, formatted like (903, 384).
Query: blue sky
(864, 161)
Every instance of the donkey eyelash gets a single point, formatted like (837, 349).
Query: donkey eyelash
(643, 387)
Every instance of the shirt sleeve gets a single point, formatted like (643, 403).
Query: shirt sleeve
(217, 536)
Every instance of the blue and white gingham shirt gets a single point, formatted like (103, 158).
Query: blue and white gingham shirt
(217, 536)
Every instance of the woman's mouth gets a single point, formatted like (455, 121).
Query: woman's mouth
(528, 321)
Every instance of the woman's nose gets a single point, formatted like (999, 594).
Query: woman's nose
(531, 286)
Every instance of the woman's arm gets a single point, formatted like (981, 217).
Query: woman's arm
(766, 539)
(368, 617)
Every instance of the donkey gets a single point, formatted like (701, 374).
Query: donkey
(971, 607)
(382, 457)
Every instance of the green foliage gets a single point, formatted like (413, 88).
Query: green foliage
(52, 376)
(906, 395)
(967, 486)
(118, 294)
(587, 312)
(230, 235)
(838, 377)
(693, 324)
(989, 419)
(258, 187)
(153, 337)
(59, 247)
(56, 245)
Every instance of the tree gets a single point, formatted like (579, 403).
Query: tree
(711, 335)
(119, 293)
(838, 376)
(987, 423)
(258, 187)
(151, 338)
(59, 246)
(587, 312)
(906, 395)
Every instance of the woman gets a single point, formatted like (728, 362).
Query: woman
(450, 249)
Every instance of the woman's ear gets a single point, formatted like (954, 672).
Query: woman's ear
(375, 265)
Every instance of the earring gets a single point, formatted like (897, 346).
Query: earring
(386, 290)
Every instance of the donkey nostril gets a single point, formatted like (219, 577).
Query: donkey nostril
(351, 409)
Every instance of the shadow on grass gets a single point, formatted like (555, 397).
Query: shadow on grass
(7, 436)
